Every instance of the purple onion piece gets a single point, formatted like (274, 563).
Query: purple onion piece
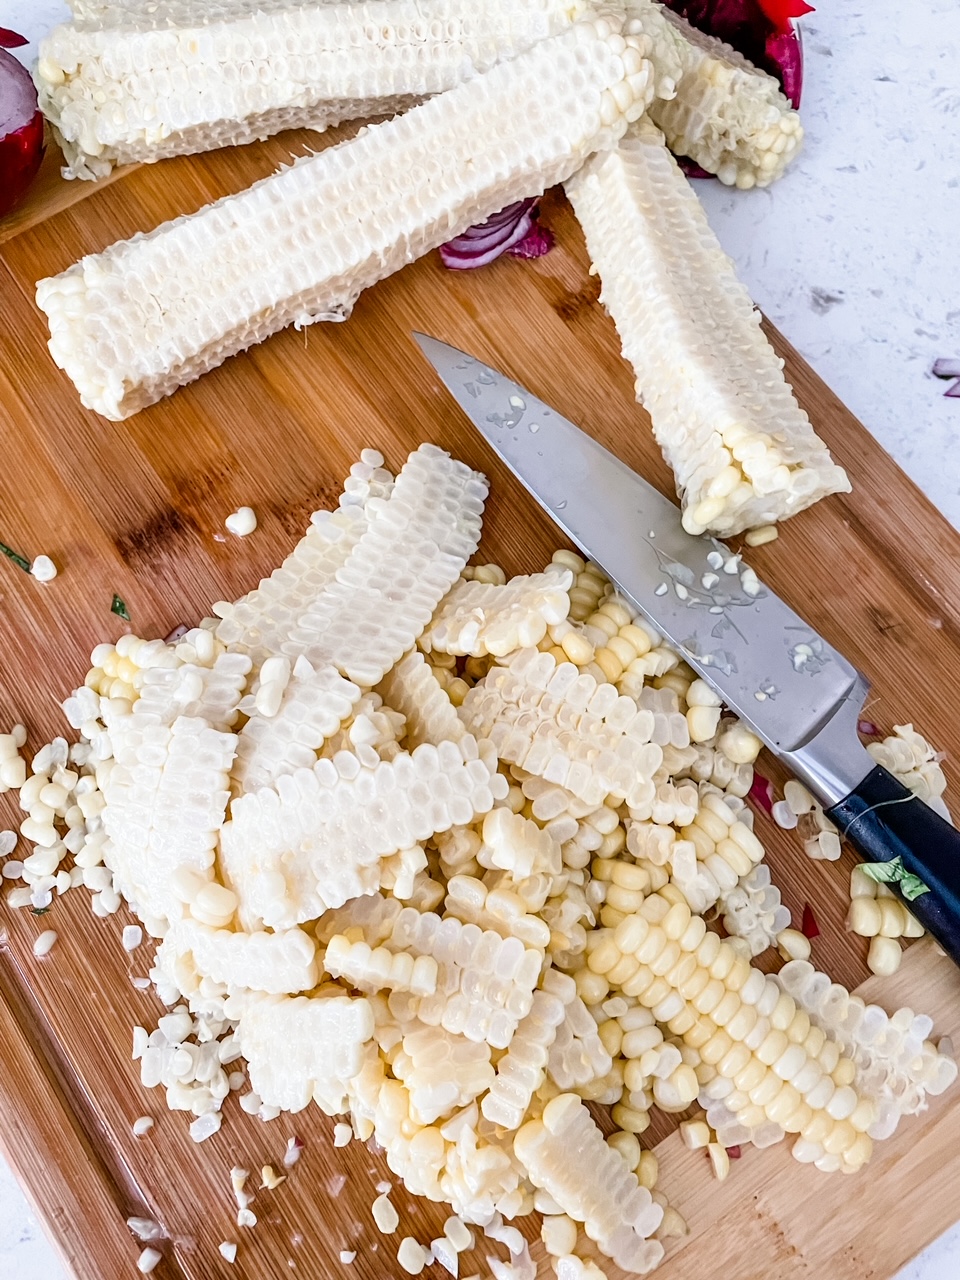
(512, 229)
(946, 367)
(691, 168)
(785, 52)
(537, 242)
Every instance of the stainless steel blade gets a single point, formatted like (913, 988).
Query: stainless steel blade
(767, 664)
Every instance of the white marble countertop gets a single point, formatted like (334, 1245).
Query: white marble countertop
(845, 256)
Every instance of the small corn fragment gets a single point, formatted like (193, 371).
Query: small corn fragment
(499, 908)
(121, 88)
(565, 1153)
(485, 983)
(516, 844)
(414, 548)
(413, 690)
(211, 693)
(312, 707)
(299, 1048)
(480, 618)
(373, 969)
(164, 812)
(603, 746)
(127, 330)
(743, 452)
(725, 113)
(276, 963)
(521, 1070)
(442, 1072)
(260, 622)
(577, 1056)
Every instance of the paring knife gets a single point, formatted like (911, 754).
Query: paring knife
(793, 689)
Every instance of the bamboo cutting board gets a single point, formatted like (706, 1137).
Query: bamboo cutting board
(136, 508)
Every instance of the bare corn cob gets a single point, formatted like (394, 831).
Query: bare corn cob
(139, 87)
(373, 968)
(127, 326)
(725, 113)
(742, 450)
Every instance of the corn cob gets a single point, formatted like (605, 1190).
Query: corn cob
(372, 969)
(566, 1155)
(118, 91)
(333, 817)
(312, 707)
(896, 1063)
(478, 618)
(725, 113)
(441, 1072)
(164, 812)
(742, 451)
(412, 689)
(413, 549)
(564, 727)
(586, 84)
(297, 1049)
(473, 902)
(485, 983)
(275, 963)
(260, 621)
(521, 1070)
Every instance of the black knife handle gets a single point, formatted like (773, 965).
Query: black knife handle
(883, 820)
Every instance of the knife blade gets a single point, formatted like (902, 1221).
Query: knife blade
(798, 693)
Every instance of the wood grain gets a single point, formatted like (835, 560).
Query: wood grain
(136, 508)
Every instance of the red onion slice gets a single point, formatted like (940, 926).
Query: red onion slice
(514, 230)
(21, 126)
(761, 793)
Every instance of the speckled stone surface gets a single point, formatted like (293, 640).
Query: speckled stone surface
(853, 255)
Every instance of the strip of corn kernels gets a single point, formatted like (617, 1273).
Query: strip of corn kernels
(121, 90)
(743, 452)
(127, 324)
(709, 995)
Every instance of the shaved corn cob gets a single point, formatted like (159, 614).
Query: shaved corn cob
(516, 844)
(412, 689)
(121, 89)
(277, 963)
(313, 706)
(564, 727)
(155, 823)
(566, 1155)
(333, 817)
(725, 113)
(297, 1049)
(414, 548)
(742, 450)
(481, 617)
(587, 84)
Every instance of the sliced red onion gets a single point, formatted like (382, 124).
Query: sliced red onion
(691, 168)
(808, 926)
(785, 53)
(179, 630)
(513, 228)
(761, 793)
(734, 1153)
(867, 728)
(537, 242)
(12, 39)
(21, 126)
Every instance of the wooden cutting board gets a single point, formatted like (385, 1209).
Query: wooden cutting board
(137, 508)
